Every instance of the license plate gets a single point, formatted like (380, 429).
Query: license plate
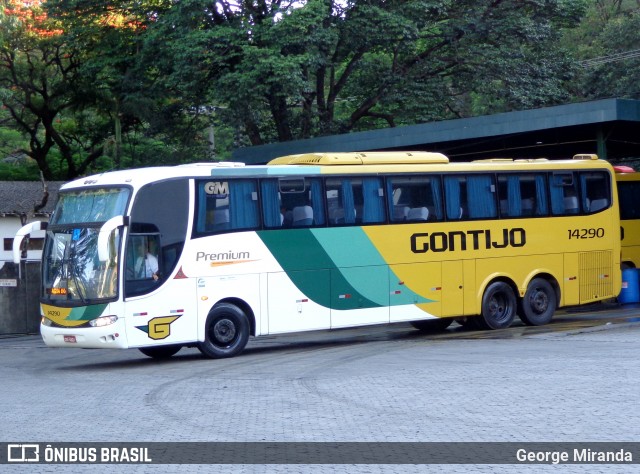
(70, 339)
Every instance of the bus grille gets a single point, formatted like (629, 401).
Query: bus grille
(595, 275)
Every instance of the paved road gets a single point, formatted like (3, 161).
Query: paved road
(574, 380)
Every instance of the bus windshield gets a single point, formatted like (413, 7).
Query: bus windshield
(90, 205)
(72, 272)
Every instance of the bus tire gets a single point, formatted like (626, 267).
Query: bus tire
(499, 305)
(226, 332)
(538, 303)
(160, 352)
(428, 325)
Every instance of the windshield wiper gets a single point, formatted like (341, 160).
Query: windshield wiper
(73, 270)
(77, 285)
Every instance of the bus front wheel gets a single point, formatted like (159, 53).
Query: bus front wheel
(538, 303)
(226, 332)
(498, 305)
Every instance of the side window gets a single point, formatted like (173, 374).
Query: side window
(355, 201)
(272, 209)
(563, 189)
(470, 197)
(596, 191)
(225, 205)
(629, 196)
(414, 198)
(522, 195)
(143, 260)
(481, 196)
(302, 202)
(455, 192)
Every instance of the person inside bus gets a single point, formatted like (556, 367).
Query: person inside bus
(302, 216)
(146, 265)
(286, 216)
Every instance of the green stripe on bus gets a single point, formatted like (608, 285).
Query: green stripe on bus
(297, 251)
(86, 313)
(359, 276)
(358, 262)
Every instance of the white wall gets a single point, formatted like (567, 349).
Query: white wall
(8, 228)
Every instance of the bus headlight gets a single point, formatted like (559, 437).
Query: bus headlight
(46, 322)
(103, 321)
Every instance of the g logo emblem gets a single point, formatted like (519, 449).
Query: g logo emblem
(159, 328)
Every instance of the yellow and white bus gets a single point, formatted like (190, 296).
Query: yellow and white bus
(628, 182)
(208, 255)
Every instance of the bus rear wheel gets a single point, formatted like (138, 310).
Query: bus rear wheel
(429, 325)
(498, 305)
(538, 303)
(226, 332)
(160, 352)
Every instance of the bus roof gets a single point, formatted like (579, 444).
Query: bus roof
(315, 164)
(141, 176)
(369, 158)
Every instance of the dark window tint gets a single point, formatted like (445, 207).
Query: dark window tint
(629, 195)
(415, 198)
(585, 192)
(302, 202)
(522, 195)
(355, 201)
(470, 196)
(224, 205)
(595, 191)
(160, 213)
(563, 189)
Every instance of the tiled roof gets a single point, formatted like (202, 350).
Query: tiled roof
(17, 197)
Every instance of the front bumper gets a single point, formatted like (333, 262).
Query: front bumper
(112, 336)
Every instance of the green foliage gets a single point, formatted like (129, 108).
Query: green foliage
(318, 67)
(616, 76)
(605, 43)
(19, 171)
(137, 83)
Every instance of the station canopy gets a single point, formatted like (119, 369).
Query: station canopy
(608, 128)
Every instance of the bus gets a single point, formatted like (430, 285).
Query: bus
(207, 255)
(628, 181)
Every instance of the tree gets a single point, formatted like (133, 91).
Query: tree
(290, 70)
(144, 108)
(611, 57)
(34, 71)
(126, 83)
(69, 81)
(39, 84)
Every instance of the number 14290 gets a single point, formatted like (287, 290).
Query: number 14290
(591, 233)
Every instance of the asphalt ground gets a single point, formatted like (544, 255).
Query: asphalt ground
(574, 380)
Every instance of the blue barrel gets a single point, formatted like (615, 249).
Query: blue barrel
(630, 287)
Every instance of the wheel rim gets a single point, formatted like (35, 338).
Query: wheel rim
(224, 331)
(498, 308)
(539, 301)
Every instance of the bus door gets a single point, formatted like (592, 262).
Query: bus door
(167, 315)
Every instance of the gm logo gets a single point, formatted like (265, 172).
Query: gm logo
(23, 453)
(217, 187)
